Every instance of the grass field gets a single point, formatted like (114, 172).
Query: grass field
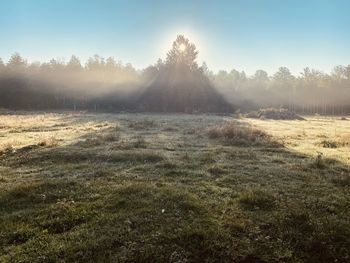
(82, 187)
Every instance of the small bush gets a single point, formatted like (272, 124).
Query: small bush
(343, 141)
(231, 132)
(329, 144)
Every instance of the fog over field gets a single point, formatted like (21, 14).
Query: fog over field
(205, 131)
(108, 84)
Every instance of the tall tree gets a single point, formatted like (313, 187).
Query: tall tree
(74, 64)
(183, 54)
(16, 62)
(2, 65)
(261, 76)
(283, 74)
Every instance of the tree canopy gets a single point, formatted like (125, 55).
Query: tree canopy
(183, 54)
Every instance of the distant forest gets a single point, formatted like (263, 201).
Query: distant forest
(109, 85)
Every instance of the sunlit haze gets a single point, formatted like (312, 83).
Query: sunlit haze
(245, 35)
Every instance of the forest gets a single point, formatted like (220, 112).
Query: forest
(107, 84)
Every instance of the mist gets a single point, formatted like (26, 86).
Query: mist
(176, 84)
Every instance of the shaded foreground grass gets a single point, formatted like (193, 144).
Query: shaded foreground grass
(160, 188)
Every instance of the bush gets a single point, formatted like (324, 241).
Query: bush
(329, 144)
(231, 132)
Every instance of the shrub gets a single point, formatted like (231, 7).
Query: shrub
(329, 144)
(231, 132)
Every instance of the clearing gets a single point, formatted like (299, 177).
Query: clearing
(83, 187)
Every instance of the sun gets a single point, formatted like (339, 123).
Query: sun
(182, 47)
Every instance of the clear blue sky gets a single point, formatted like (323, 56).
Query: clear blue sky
(241, 34)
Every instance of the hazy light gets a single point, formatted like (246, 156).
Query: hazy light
(182, 47)
(165, 42)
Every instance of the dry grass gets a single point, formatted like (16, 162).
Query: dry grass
(142, 124)
(143, 192)
(344, 140)
(48, 142)
(232, 133)
(6, 148)
(274, 114)
(257, 199)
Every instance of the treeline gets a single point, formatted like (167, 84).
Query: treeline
(311, 92)
(100, 84)
(108, 84)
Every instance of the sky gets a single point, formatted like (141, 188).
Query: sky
(234, 34)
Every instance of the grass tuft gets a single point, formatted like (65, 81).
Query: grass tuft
(257, 199)
(48, 142)
(143, 124)
(232, 133)
(6, 148)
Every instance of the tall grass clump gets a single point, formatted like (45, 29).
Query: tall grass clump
(239, 134)
(142, 124)
(48, 142)
(257, 199)
(6, 148)
(344, 140)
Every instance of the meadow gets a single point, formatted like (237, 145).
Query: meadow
(129, 187)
